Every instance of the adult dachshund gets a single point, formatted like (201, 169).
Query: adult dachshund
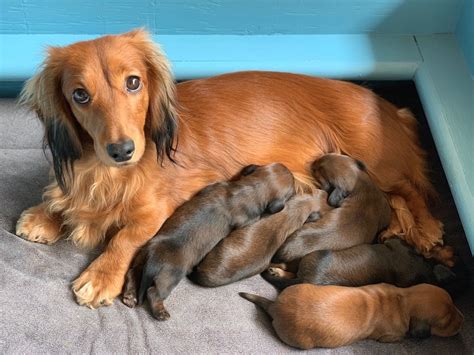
(129, 146)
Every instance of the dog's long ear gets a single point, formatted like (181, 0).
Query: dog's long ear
(419, 328)
(162, 121)
(43, 94)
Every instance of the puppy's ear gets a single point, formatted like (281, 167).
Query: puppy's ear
(337, 196)
(249, 169)
(162, 119)
(275, 206)
(313, 217)
(419, 328)
(43, 94)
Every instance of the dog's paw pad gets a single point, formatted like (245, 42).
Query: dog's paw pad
(161, 315)
(275, 271)
(129, 300)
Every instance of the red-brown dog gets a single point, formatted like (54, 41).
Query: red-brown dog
(308, 316)
(129, 146)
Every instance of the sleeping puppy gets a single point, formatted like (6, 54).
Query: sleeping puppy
(393, 262)
(362, 210)
(308, 316)
(248, 251)
(198, 225)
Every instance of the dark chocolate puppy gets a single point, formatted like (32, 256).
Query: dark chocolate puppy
(198, 225)
(362, 210)
(248, 251)
(393, 262)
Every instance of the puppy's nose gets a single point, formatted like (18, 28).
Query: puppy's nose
(121, 151)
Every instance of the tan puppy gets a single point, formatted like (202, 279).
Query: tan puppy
(248, 251)
(308, 316)
(363, 210)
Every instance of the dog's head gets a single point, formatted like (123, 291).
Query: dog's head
(113, 93)
(433, 312)
(337, 174)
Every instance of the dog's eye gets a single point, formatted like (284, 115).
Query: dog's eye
(81, 96)
(133, 83)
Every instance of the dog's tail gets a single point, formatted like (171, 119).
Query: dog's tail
(262, 302)
(280, 282)
(148, 275)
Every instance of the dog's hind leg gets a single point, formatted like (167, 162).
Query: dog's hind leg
(166, 280)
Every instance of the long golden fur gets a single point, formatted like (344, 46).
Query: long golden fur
(187, 136)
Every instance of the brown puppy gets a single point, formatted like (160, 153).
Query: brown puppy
(363, 211)
(248, 251)
(393, 262)
(308, 316)
(198, 225)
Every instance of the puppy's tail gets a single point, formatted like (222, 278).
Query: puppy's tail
(258, 300)
(148, 275)
(280, 282)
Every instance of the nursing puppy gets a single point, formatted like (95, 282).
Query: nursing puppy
(308, 316)
(393, 262)
(362, 210)
(248, 251)
(198, 225)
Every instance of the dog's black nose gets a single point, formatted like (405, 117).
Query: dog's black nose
(121, 151)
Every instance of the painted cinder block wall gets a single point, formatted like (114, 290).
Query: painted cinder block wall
(429, 41)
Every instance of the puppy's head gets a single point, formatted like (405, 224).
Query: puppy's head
(274, 181)
(432, 308)
(114, 92)
(337, 175)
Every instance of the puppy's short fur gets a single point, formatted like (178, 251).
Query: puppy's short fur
(308, 316)
(393, 262)
(198, 225)
(248, 251)
(362, 210)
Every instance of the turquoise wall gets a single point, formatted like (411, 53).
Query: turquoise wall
(242, 17)
(465, 32)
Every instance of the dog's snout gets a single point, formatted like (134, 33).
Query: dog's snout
(121, 151)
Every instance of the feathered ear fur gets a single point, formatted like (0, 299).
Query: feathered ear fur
(162, 122)
(43, 94)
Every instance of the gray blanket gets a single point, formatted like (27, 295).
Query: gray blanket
(38, 312)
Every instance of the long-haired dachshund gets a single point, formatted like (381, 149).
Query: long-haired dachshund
(129, 146)
(362, 210)
(248, 251)
(308, 316)
(198, 225)
(392, 262)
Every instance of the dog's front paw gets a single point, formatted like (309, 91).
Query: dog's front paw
(161, 314)
(96, 288)
(34, 225)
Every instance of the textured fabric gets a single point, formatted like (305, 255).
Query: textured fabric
(38, 312)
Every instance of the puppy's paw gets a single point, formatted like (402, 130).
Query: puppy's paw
(130, 299)
(95, 288)
(34, 225)
(275, 271)
(161, 314)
